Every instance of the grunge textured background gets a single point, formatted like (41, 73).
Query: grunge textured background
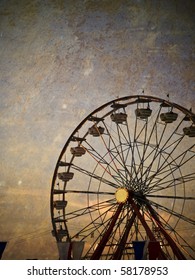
(61, 59)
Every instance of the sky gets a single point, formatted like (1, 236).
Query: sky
(60, 60)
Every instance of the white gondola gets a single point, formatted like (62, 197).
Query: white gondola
(77, 151)
(119, 117)
(65, 176)
(96, 131)
(64, 249)
(168, 117)
(189, 131)
(59, 204)
(143, 113)
(77, 249)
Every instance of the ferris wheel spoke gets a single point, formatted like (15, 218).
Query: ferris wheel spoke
(173, 231)
(107, 204)
(141, 167)
(174, 167)
(162, 154)
(93, 175)
(153, 131)
(127, 139)
(126, 147)
(174, 132)
(171, 197)
(162, 228)
(171, 183)
(185, 243)
(172, 212)
(146, 145)
(101, 161)
(154, 149)
(164, 147)
(177, 236)
(122, 152)
(118, 150)
(173, 144)
(107, 166)
(134, 171)
(133, 161)
(108, 150)
(173, 164)
(123, 148)
(99, 221)
(98, 229)
(89, 192)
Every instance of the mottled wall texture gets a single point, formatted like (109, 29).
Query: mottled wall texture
(61, 59)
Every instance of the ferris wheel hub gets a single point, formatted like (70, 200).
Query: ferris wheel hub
(121, 195)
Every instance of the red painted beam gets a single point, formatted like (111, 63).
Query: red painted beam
(177, 252)
(145, 225)
(119, 252)
(141, 218)
(98, 251)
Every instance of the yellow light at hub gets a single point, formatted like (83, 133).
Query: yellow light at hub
(121, 195)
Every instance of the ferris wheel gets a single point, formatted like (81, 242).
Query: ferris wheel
(123, 186)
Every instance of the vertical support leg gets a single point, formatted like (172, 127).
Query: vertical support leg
(171, 242)
(118, 254)
(145, 225)
(98, 251)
